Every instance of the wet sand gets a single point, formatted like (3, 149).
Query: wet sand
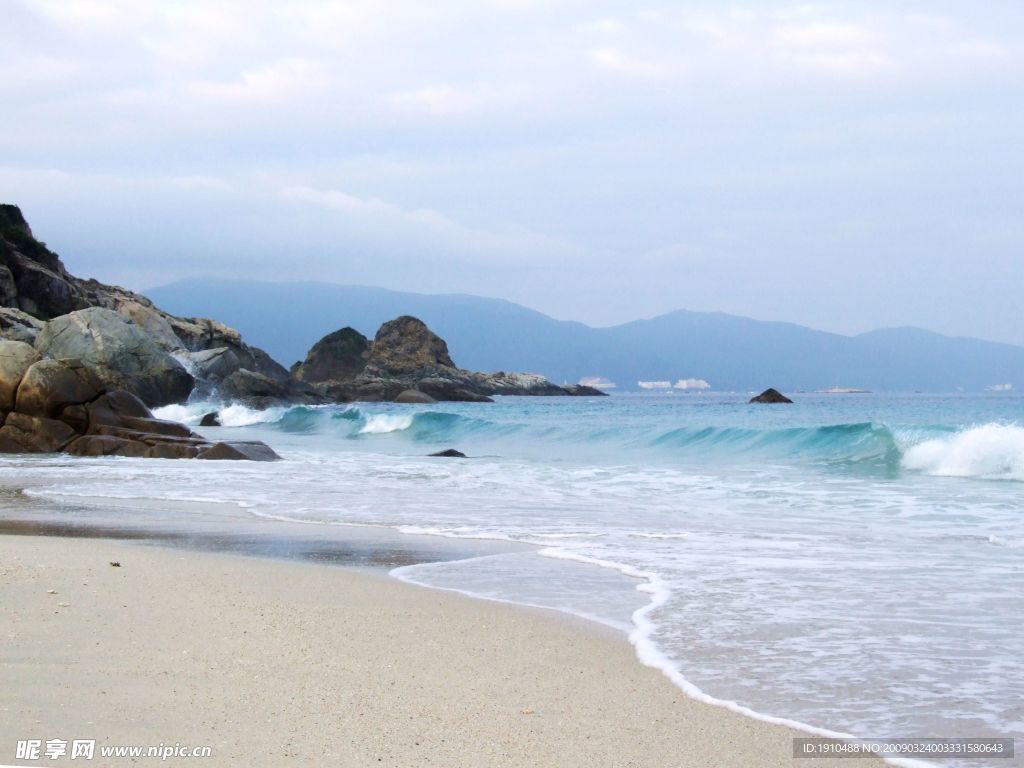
(275, 662)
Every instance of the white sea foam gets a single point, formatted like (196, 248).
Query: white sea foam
(1001, 541)
(234, 415)
(185, 413)
(237, 415)
(382, 423)
(989, 451)
(641, 636)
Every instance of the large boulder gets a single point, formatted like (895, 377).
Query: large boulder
(15, 359)
(414, 396)
(405, 345)
(251, 387)
(338, 356)
(260, 390)
(239, 451)
(119, 411)
(212, 364)
(49, 386)
(122, 354)
(33, 434)
(107, 445)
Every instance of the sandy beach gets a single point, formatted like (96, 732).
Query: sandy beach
(279, 663)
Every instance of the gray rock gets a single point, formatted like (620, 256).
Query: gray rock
(338, 356)
(44, 292)
(213, 364)
(172, 451)
(17, 325)
(36, 434)
(452, 390)
(249, 385)
(405, 345)
(210, 420)
(414, 396)
(8, 288)
(449, 453)
(15, 359)
(122, 355)
(583, 390)
(239, 451)
(49, 386)
(116, 405)
(76, 417)
(107, 445)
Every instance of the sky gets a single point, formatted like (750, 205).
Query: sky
(843, 165)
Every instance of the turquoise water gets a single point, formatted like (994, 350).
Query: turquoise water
(850, 562)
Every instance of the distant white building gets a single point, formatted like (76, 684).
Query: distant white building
(654, 384)
(1000, 388)
(698, 384)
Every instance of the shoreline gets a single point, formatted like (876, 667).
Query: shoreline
(532, 686)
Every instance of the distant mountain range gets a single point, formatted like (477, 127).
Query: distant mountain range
(728, 352)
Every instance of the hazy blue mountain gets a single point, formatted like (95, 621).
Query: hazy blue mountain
(492, 334)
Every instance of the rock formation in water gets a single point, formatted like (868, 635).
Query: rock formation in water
(337, 356)
(49, 405)
(407, 362)
(449, 453)
(770, 396)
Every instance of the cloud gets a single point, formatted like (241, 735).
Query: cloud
(201, 182)
(352, 205)
(420, 228)
(444, 100)
(615, 60)
(546, 150)
(273, 84)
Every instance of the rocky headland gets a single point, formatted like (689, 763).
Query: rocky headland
(156, 356)
(82, 363)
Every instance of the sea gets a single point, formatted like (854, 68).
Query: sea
(850, 563)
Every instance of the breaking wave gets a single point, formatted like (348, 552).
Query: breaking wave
(987, 451)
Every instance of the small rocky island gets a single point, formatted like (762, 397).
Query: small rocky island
(408, 363)
(82, 364)
(770, 396)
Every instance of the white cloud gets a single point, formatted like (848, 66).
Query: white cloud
(821, 34)
(275, 83)
(426, 227)
(349, 204)
(444, 100)
(615, 60)
(201, 182)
